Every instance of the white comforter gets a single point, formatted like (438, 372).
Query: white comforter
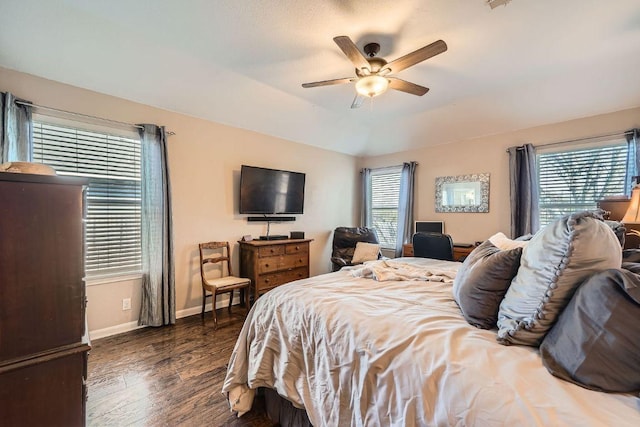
(359, 352)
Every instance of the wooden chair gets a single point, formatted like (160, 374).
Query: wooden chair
(219, 253)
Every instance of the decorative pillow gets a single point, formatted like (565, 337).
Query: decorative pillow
(596, 341)
(365, 252)
(554, 263)
(631, 255)
(619, 230)
(482, 281)
(504, 243)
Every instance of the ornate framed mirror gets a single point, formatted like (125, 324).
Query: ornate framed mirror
(462, 193)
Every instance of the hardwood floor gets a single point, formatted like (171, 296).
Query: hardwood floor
(167, 376)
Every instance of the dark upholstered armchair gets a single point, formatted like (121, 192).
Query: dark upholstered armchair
(344, 243)
(433, 245)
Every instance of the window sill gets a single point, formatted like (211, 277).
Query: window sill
(111, 278)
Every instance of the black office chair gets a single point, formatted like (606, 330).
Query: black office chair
(433, 245)
(344, 244)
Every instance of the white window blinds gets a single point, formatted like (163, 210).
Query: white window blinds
(575, 180)
(112, 164)
(385, 195)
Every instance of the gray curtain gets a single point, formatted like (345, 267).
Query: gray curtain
(405, 205)
(365, 212)
(16, 138)
(158, 280)
(633, 158)
(524, 190)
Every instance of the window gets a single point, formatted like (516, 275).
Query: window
(385, 195)
(112, 165)
(576, 179)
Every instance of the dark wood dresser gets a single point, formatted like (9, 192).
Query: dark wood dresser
(270, 263)
(43, 338)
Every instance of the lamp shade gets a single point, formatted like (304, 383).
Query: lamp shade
(632, 216)
(372, 86)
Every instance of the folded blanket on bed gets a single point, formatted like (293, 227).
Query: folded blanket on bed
(388, 269)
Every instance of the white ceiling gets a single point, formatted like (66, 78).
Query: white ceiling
(242, 62)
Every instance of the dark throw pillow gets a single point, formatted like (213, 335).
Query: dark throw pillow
(483, 280)
(596, 341)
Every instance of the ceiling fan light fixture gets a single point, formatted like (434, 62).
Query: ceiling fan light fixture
(372, 85)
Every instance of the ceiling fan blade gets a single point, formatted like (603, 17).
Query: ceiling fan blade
(416, 56)
(357, 101)
(329, 82)
(408, 87)
(352, 52)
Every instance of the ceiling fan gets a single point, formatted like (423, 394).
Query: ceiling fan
(373, 74)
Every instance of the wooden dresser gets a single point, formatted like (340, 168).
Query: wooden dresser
(270, 263)
(43, 336)
(459, 252)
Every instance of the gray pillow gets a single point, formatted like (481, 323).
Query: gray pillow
(596, 341)
(482, 281)
(554, 263)
(619, 230)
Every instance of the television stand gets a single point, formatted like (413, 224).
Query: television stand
(275, 237)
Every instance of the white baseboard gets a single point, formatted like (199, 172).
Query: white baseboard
(114, 330)
(222, 302)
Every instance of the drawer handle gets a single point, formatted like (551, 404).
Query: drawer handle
(272, 250)
(266, 265)
(297, 248)
(266, 280)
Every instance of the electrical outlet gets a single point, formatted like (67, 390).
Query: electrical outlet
(126, 304)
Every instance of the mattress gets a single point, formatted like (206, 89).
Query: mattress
(355, 351)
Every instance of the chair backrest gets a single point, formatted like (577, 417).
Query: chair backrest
(215, 252)
(344, 243)
(346, 238)
(433, 245)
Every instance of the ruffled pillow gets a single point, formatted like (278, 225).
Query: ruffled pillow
(554, 263)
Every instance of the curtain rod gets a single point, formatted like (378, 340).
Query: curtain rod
(42, 107)
(550, 144)
(389, 167)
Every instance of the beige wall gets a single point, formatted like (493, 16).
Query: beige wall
(488, 154)
(204, 161)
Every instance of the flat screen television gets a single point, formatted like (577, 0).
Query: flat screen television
(271, 191)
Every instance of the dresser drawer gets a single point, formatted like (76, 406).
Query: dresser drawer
(298, 273)
(269, 264)
(270, 251)
(269, 281)
(289, 262)
(297, 248)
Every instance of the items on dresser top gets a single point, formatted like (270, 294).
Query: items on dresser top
(270, 263)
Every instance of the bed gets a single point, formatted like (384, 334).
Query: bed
(355, 351)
